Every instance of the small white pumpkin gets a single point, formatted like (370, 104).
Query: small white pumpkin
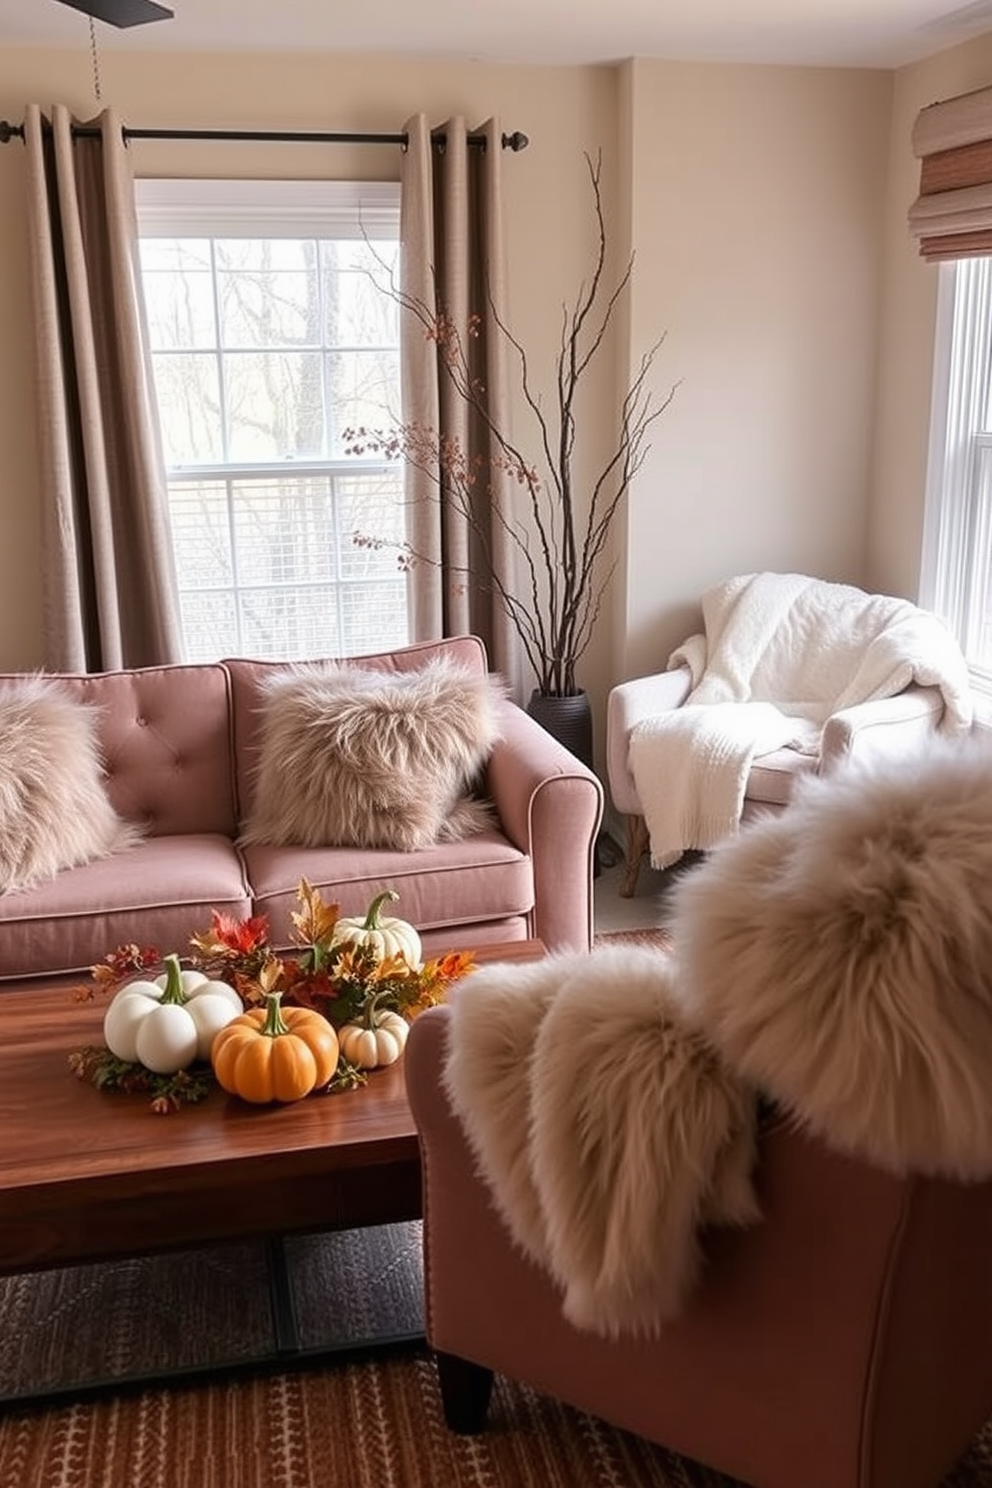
(387, 935)
(377, 1040)
(162, 1026)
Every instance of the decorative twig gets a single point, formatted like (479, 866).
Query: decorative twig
(562, 546)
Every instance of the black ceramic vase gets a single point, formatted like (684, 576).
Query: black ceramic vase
(567, 719)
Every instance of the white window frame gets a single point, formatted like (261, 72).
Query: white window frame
(955, 579)
(277, 208)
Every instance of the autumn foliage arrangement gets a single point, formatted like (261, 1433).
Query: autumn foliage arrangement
(363, 975)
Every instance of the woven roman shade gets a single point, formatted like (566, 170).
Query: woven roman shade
(952, 216)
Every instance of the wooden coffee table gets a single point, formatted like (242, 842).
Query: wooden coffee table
(87, 1175)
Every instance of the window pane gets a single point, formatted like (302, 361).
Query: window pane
(201, 534)
(364, 392)
(188, 388)
(269, 293)
(285, 531)
(978, 633)
(180, 310)
(275, 405)
(361, 310)
(176, 255)
(210, 624)
(370, 506)
(294, 626)
(378, 626)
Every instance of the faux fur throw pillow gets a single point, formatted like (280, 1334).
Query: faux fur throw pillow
(607, 1131)
(840, 958)
(54, 810)
(362, 758)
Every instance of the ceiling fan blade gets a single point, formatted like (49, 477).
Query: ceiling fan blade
(122, 12)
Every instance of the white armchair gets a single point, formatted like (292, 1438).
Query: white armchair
(905, 681)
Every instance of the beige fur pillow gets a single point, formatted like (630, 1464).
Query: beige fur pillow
(840, 958)
(54, 810)
(361, 758)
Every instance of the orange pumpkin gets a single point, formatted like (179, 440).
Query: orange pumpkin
(275, 1053)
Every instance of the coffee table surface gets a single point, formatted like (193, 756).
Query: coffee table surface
(87, 1174)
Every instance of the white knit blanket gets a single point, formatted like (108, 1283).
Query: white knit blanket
(793, 650)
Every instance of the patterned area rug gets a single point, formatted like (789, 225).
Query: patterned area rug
(659, 939)
(372, 1422)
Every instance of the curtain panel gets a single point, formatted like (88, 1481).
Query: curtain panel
(109, 590)
(952, 216)
(452, 274)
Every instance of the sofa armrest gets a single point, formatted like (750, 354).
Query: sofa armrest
(883, 729)
(550, 806)
(628, 704)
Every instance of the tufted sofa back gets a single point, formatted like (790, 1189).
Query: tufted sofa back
(165, 736)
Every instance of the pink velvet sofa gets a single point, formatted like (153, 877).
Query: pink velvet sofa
(180, 745)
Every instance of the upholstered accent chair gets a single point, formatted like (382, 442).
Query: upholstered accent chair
(841, 1343)
(790, 676)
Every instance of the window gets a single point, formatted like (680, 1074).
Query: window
(956, 575)
(272, 331)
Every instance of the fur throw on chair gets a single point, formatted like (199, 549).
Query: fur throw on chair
(839, 958)
(836, 960)
(607, 1132)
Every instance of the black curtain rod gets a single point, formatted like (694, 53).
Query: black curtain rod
(515, 141)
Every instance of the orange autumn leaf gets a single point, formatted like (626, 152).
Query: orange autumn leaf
(316, 921)
(230, 937)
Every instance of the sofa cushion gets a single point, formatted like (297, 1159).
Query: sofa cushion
(773, 776)
(157, 893)
(457, 894)
(54, 808)
(352, 757)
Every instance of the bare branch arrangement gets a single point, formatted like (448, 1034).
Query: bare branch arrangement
(561, 548)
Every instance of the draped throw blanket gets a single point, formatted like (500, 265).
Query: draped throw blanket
(834, 960)
(780, 654)
(608, 1132)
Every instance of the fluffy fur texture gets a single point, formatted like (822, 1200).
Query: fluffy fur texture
(373, 759)
(54, 811)
(840, 958)
(607, 1132)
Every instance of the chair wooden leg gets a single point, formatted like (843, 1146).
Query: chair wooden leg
(465, 1391)
(638, 843)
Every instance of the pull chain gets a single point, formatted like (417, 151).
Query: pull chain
(95, 57)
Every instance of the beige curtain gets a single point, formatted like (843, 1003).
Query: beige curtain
(452, 262)
(108, 581)
(952, 216)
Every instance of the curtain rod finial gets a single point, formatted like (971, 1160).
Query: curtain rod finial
(515, 141)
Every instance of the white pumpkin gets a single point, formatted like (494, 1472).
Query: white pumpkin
(387, 935)
(379, 1040)
(162, 1026)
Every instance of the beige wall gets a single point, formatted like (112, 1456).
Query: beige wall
(754, 199)
(757, 216)
(907, 329)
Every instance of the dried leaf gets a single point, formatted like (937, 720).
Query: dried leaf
(315, 923)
